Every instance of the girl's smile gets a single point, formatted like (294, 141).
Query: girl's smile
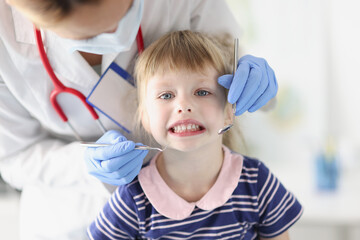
(188, 127)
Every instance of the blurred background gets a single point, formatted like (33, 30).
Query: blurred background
(311, 138)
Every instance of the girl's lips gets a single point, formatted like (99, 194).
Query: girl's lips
(187, 127)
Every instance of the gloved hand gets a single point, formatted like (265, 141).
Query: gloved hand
(117, 164)
(253, 85)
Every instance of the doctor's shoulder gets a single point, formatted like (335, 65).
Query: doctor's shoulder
(163, 16)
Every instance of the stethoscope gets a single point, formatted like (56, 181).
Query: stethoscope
(61, 88)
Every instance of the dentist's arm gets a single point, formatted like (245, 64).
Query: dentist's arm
(29, 155)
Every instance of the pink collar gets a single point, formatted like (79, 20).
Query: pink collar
(170, 205)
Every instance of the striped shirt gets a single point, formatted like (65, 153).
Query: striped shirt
(246, 201)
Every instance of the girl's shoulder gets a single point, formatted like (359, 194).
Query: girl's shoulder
(131, 191)
(250, 163)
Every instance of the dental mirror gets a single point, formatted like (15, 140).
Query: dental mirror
(236, 45)
(224, 129)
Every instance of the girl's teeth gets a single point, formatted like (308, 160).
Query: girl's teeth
(183, 128)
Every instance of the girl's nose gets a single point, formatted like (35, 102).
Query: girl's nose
(184, 103)
(184, 109)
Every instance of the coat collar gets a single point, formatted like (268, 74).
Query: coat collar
(170, 205)
(71, 68)
(24, 29)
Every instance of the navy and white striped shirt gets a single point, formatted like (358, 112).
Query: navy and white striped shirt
(246, 201)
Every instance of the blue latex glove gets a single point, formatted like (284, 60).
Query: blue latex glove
(117, 164)
(253, 85)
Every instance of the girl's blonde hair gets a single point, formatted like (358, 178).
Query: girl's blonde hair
(188, 50)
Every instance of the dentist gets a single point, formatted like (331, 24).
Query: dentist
(39, 154)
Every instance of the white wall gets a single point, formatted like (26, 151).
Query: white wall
(313, 47)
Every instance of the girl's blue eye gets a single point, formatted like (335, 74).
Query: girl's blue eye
(166, 96)
(202, 93)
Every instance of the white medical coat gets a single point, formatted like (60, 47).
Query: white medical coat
(38, 153)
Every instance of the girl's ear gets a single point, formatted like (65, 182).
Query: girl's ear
(229, 114)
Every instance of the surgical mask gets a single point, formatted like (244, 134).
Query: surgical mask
(118, 41)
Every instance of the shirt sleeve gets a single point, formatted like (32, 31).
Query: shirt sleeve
(278, 208)
(118, 218)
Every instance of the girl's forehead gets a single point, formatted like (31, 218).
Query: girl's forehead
(206, 74)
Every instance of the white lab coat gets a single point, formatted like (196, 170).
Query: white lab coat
(38, 153)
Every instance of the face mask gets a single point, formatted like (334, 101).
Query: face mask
(119, 41)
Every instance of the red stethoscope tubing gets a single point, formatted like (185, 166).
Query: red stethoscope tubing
(60, 88)
(140, 41)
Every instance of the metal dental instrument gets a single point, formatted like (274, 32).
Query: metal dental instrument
(225, 129)
(94, 144)
(236, 46)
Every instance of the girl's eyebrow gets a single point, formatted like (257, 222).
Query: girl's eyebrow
(161, 86)
(163, 83)
(208, 83)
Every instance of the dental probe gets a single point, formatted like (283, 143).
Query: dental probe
(94, 144)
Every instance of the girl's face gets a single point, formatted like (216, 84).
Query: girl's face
(184, 110)
(86, 21)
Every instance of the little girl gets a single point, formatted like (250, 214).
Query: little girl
(197, 188)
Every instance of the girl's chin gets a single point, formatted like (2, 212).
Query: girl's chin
(185, 148)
